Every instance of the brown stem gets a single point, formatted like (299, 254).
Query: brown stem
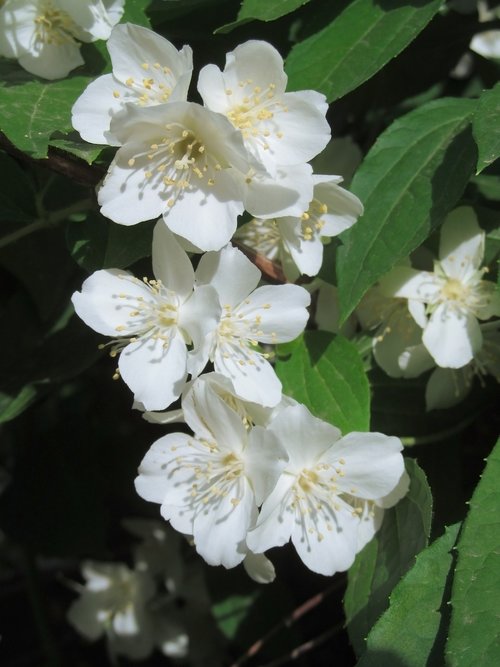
(286, 622)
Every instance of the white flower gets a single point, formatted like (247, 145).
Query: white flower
(278, 128)
(296, 241)
(113, 603)
(210, 485)
(269, 314)
(45, 35)
(151, 321)
(455, 294)
(176, 159)
(147, 70)
(329, 498)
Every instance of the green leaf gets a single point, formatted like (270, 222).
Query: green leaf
(378, 568)
(31, 112)
(263, 11)
(12, 406)
(411, 178)
(486, 127)
(71, 143)
(356, 44)
(420, 596)
(232, 611)
(135, 12)
(474, 638)
(97, 243)
(325, 372)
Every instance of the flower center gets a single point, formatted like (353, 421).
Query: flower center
(254, 115)
(54, 26)
(178, 162)
(155, 87)
(454, 290)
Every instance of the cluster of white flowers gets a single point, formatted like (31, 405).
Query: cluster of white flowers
(258, 469)
(323, 491)
(135, 608)
(45, 35)
(440, 319)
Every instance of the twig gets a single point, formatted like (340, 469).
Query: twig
(58, 161)
(305, 647)
(286, 622)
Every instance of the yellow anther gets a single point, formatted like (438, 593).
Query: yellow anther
(116, 94)
(145, 66)
(131, 162)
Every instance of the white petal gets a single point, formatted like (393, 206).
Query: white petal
(452, 336)
(307, 254)
(486, 43)
(131, 46)
(373, 464)
(207, 216)
(461, 247)
(127, 196)
(252, 376)
(408, 283)
(344, 208)
(107, 299)
(447, 387)
(199, 317)
(171, 265)
(415, 360)
(304, 436)
(259, 568)
(220, 528)
(370, 522)
(281, 309)
(325, 545)
(52, 61)
(231, 273)
(156, 471)
(265, 459)
(93, 110)
(155, 373)
(275, 524)
(287, 192)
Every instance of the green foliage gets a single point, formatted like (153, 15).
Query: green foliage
(354, 45)
(30, 112)
(232, 611)
(485, 127)
(325, 372)
(473, 636)
(96, 243)
(135, 12)
(262, 11)
(17, 195)
(378, 568)
(411, 178)
(421, 597)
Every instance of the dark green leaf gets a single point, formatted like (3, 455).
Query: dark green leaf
(71, 143)
(486, 127)
(263, 11)
(420, 596)
(412, 177)
(474, 638)
(378, 568)
(97, 243)
(12, 406)
(31, 112)
(231, 612)
(361, 40)
(325, 372)
(135, 12)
